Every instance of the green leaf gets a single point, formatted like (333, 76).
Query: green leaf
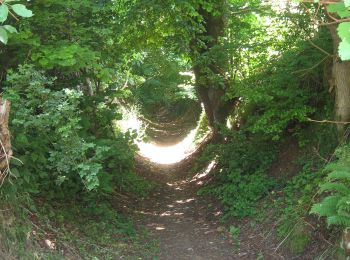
(3, 36)
(10, 28)
(21, 10)
(347, 3)
(4, 11)
(344, 31)
(344, 51)
(340, 9)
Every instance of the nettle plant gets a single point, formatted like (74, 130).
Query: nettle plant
(8, 9)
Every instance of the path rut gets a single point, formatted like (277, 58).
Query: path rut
(181, 221)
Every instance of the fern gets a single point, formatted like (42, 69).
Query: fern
(339, 175)
(326, 208)
(338, 221)
(337, 166)
(336, 206)
(344, 206)
(335, 186)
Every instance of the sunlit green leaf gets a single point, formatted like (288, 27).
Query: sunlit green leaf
(3, 36)
(21, 10)
(347, 3)
(340, 9)
(4, 11)
(344, 31)
(344, 50)
(10, 28)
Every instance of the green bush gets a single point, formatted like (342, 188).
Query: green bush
(242, 179)
(57, 151)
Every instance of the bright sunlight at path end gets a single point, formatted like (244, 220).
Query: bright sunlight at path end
(159, 153)
(168, 154)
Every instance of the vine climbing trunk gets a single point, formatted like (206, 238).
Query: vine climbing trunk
(209, 65)
(341, 81)
(5, 142)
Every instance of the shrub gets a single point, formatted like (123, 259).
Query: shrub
(57, 152)
(242, 179)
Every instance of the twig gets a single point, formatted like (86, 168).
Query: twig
(290, 232)
(7, 171)
(15, 17)
(335, 22)
(13, 157)
(272, 229)
(319, 156)
(328, 122)
(319, 48)
(313, 67)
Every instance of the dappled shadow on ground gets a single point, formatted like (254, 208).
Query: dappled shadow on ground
(189, 226)
(175, 215)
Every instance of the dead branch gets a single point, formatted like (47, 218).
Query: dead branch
(328, 121)
(5, 140)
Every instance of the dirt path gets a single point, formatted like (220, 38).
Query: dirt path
(186, 227)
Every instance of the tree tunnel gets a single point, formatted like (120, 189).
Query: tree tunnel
(167, 124)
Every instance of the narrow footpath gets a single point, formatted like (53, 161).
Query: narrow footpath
(188, 226)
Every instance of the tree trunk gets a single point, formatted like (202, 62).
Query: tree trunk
(5, 142)
(341, 80)
(209, 67)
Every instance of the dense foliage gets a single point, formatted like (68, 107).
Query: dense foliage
(263, 72)
(242, 180)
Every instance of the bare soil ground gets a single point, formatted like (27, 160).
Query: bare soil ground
(188, 226)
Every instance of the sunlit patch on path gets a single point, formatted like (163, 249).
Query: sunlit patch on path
(184, 224)
(168, 154)
(155, 152)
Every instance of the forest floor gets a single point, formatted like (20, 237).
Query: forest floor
(189, 226)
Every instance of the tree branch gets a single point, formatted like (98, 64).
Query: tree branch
(328, 122)
(325, 2)
(319, 48)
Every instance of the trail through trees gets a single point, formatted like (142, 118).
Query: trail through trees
(188, 226)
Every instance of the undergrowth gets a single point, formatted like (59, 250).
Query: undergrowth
(89, 227)
(298, 194)
(242, 180)
(57, 201)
